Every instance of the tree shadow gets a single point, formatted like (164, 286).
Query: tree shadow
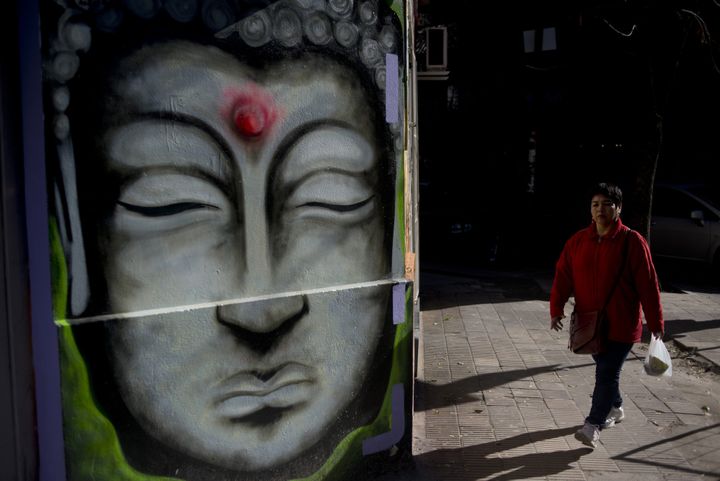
(479, 457)
(433, 396)
(678, 327)
(647, 456)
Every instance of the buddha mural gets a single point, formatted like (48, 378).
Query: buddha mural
(227, 249)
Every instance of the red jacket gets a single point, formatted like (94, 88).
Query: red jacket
(588, 266)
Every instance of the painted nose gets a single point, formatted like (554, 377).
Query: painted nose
(262, 324)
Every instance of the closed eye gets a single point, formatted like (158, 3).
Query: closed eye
(338, 207)
(166, 210)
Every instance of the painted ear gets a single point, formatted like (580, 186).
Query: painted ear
(68, 217)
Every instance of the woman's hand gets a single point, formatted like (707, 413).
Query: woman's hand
(556, 323)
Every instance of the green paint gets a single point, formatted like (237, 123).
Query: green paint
(398, 6)
(91, 443)
(58, 272)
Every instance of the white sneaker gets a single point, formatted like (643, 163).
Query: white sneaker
(616, 415)
(589, 434)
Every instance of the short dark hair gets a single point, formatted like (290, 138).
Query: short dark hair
(611, 191)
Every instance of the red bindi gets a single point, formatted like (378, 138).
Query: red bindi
(250, 118)
(252, 111)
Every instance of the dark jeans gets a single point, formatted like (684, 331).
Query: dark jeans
(606, 394)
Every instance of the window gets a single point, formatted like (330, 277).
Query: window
(436, 53)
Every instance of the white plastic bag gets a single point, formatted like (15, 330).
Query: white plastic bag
(657, 362)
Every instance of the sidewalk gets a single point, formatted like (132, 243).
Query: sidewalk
(499, 396)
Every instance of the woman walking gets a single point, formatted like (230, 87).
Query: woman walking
(607, 265)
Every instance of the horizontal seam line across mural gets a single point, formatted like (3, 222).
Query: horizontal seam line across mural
(207, 305)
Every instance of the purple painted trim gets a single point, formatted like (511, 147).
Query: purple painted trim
(392, 88)
(398, 303)
(387, 440)
(51, 451)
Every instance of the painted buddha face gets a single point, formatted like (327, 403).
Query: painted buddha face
(243, 252)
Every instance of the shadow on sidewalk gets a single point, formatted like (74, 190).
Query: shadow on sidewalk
(676, 327)
(452, 290)
(479, 460)
(680, 276)
(648, 454)
(433, 396)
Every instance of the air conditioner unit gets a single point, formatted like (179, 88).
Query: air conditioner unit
(436, 53)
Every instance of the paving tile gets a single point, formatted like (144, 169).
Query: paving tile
(500, 401)
(571, 474)
(597, 464)
(661, 418)
(685, 408)
(636, 466)
(526, 393)
(553, 394)
(549, 385)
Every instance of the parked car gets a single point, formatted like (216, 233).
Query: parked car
(685, 223)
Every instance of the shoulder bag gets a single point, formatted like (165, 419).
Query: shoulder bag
(589, 330)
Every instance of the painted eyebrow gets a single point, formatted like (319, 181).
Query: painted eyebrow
(190, 120)
(294, 136)
(197, 123)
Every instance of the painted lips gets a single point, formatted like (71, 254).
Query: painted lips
(246, 393)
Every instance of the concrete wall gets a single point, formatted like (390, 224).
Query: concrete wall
(228, 237)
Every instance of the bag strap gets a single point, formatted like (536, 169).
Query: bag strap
(622, 269)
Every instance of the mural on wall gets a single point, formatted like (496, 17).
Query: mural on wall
(228, 236)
